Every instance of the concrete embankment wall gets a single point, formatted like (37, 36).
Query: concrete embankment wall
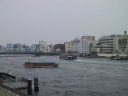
(109, 55)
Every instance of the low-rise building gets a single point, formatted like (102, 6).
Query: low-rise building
(9, 47)
(33, 47)
(59, 48)
(17, 47)
(2, 48)
(113, 44)
(20, 48)
(68, 47)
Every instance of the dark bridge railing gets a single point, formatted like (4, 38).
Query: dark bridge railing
(36, 53)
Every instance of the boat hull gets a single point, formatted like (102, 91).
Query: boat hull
(40, 64)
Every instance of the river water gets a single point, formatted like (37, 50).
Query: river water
(81, 77)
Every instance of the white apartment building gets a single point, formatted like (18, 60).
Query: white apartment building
(43, 47)
(82, 46)
(86, 44)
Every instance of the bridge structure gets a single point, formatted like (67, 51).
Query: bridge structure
(33, 53)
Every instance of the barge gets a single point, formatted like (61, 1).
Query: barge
(40, 64)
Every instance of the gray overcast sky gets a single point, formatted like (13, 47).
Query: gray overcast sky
(57, 21)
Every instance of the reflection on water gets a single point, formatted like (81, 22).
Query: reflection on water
(81, 77)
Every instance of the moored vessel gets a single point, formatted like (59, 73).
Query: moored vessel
(119, 57)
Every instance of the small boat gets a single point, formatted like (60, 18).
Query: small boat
(119, 58)
(40, 64)
(70, 57)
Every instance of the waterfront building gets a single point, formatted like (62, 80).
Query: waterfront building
(59, 48)
(72, 46)
(86, 44)
(2, 48)
(113, 44)
(20, 48)
(83, 46)
(93, 50)
(25, 48)
(43, 47)
(50, 48)
(9, 47)
(33, 47)
(76, 45)
(17, 47)
(68, 47)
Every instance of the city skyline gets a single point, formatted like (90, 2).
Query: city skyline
(59, 21)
